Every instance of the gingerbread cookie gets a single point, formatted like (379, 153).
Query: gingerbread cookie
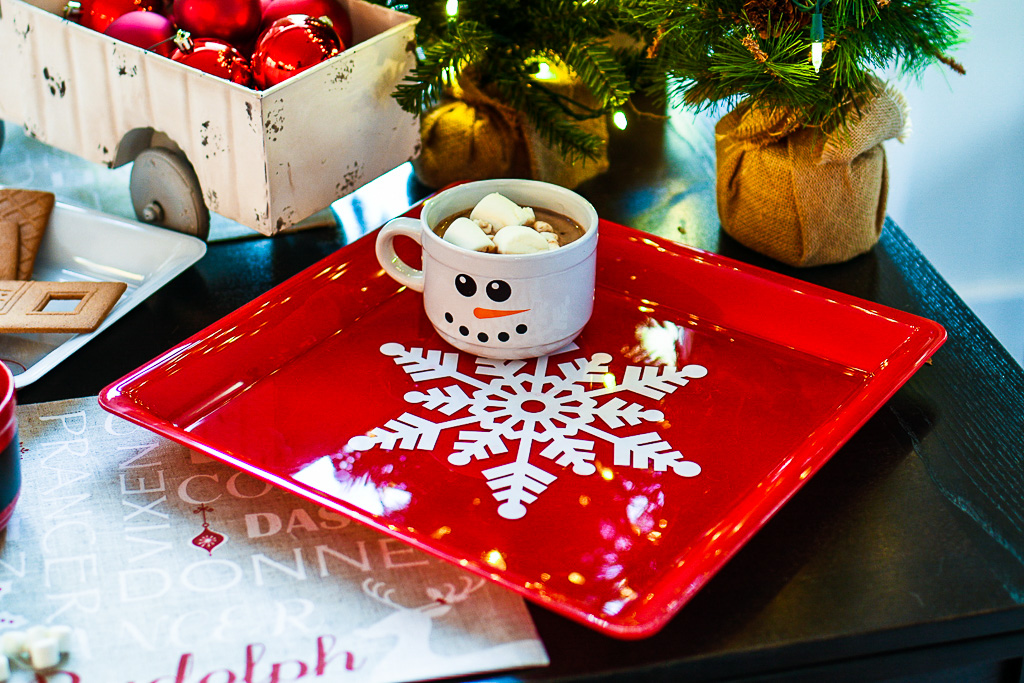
(24, 215)
(23, 305)
(9, 245)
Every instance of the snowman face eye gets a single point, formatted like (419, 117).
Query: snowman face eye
(465, 285)
(498, 290)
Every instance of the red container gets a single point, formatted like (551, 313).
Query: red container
(10, 466)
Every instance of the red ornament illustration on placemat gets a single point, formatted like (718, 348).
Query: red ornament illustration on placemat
(516, 407)
(207, 539)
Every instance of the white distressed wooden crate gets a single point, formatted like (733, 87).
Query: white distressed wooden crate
(266, 159)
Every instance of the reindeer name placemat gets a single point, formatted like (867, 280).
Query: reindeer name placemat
(170, 567)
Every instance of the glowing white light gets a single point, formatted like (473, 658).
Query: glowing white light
(619, 120)
(451, 8)
(544, 72)
(816, 56)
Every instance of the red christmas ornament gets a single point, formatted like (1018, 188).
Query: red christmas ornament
(232, 20)
(290, 45)
(207, 539)
(147, 30)
(99, 14)
(216, 57)
(340, 21)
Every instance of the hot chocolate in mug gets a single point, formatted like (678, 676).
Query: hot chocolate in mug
(499, 305)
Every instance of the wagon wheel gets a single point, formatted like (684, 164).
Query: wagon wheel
(166, 192)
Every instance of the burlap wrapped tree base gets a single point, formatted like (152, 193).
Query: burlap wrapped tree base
(473, 136)
(799, 196)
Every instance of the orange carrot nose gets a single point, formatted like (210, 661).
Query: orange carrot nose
(492, 313)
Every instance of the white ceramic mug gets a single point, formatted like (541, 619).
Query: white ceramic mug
(499, 305)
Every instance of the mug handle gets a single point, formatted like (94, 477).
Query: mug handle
(394, 266)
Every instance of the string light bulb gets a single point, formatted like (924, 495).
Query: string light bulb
(544, 71)
(817, 29)
(817, 38)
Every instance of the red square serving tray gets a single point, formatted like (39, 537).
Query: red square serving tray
(607, 482)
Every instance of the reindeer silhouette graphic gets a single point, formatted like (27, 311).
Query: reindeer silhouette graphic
(411, 655)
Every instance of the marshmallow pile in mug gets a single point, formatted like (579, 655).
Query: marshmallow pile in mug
(498, 224)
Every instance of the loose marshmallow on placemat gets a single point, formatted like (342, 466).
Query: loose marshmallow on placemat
(62, 634)
(43, 652)
(34, 632)
(12, 643)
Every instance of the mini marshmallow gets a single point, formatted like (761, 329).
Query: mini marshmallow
(62, 634)
(34, 633)
(466, 234)
(5, 668)
(488, 229)
(43, 653)
(12, 643)
(500, 211)
(519, 239)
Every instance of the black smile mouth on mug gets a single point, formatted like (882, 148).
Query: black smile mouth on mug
(483, 337)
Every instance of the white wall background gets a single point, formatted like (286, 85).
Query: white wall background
(957, 182)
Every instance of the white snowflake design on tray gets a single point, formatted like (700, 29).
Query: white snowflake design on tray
(518, 407)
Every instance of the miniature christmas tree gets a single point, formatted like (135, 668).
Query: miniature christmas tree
(812, 58)
(507, 47)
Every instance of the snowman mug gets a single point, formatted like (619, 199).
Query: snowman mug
(499, 305)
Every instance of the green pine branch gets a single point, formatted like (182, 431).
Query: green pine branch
(554, 120)
(707, 54)
(440, 64)
(598, 66)
(502, 42)
(699, 54)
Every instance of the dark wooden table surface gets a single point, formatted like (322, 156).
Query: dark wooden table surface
(903, 558)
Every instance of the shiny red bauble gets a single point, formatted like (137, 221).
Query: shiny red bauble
(148, 30)
(291, 45)
(99, 14)
(235, 21)
(216, 57)
(276, 9)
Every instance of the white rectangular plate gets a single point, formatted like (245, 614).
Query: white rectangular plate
(83, 244)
